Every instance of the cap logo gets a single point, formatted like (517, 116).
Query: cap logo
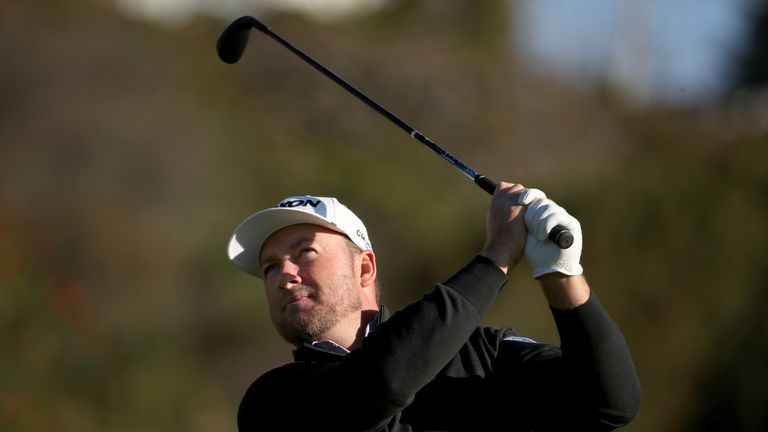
(364, 238)
(299, 203)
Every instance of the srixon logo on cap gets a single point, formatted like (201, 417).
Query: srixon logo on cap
(300, 203)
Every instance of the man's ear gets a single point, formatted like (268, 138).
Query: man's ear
(367, 268)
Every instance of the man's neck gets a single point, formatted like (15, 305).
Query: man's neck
(350, 331)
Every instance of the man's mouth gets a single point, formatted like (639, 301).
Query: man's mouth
(297, 300)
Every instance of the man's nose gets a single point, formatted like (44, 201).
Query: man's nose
(288, 274)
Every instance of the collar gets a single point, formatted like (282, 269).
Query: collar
(328, 350)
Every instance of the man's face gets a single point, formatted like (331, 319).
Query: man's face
(310, 282)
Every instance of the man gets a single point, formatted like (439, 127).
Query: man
(430, 366)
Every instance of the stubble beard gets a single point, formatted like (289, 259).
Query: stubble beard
(307, 326)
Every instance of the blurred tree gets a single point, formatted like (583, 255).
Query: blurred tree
(482, 26)
(752, 63)
(128, 153)
(733, 395)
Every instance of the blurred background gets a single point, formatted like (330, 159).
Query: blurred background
(129, 152)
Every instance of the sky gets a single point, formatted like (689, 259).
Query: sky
(676, 51)
(673, 51)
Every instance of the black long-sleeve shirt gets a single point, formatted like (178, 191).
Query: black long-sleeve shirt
(431, 366)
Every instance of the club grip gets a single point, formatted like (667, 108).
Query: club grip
(559, 234)
(561, 237)
(486, 184)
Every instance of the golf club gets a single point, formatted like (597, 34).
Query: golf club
(231, 45)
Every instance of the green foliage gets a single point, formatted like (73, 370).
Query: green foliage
(476, 26)
(128, 154)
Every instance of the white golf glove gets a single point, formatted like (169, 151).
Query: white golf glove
(543, 255)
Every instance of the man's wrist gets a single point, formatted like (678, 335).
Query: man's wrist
(497, 259)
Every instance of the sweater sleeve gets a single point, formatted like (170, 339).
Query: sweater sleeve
(593, 344)
(588, 383)
(410, 348)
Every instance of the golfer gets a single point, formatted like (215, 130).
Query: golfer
(432, 365)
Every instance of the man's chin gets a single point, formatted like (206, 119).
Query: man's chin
(303, 329)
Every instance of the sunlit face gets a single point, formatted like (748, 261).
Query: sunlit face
(309, 277)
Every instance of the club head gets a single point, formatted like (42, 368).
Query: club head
(233, 40)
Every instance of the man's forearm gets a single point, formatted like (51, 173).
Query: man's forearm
(595, 349)
(564, 292)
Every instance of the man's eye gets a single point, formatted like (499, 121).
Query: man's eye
(269, 268)
(306, 250)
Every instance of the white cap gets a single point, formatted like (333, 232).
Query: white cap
(246, 242)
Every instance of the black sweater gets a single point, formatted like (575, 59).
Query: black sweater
(432, 367)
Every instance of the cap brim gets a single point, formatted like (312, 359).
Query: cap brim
(246, 242)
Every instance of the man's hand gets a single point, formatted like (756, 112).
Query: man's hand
(505, 228)
(545, 257)
(519, 221)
